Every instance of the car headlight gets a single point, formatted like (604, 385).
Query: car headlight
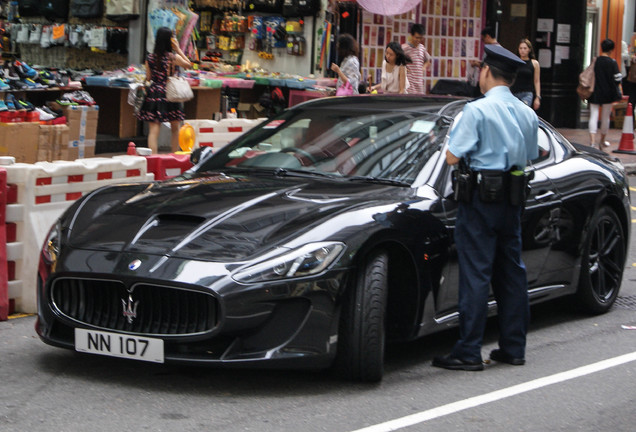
(51, 247)
(307, 260)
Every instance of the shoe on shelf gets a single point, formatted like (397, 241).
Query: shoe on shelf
(453, 363)
(3, 106)
(25, 105)
(12, 103)
(27, 70)
(44, 116)
(501, 356)
(4, 85)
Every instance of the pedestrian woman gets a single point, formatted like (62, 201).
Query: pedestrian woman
(160, 64)
(527, 86)
(394, 78)
(349, 69)
(607, 77)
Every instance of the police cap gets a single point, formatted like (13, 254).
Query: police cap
(501, 58)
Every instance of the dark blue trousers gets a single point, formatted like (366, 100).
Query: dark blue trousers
(488, 239)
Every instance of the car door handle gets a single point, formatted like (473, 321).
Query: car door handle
(544, 196)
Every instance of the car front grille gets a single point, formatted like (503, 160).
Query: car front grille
(148, 309)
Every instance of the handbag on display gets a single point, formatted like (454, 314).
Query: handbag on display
(345, 90)
(586, 81)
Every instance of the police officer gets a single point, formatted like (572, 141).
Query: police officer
(496, 135)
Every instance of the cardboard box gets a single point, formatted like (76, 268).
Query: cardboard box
(82, 123)
(20, 140)
(53, 144)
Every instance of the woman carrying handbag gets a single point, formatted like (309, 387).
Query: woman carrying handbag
(156, 109)
(349, 69)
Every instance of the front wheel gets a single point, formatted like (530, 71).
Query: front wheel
(362, 333)
(602, 263)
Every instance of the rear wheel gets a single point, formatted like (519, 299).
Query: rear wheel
(362, 333)
(602, 263)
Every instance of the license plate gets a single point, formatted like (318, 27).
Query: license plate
(119, 345)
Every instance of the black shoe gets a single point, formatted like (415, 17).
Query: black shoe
(454, 363)
(502, 357)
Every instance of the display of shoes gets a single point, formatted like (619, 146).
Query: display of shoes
(4, 85)
(3, 106)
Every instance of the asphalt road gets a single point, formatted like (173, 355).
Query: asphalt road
(580, 376)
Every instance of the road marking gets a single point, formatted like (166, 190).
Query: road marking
(454, 407)
(632, 189)
(633, 208)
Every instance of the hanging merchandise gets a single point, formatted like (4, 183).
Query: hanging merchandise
(117, 40)
(45, 39)
(87, 8)
(58, 34)
(122, 10)
(264, 5)
(55, 9)
(35, 34)
(300, 8)
(23, 33)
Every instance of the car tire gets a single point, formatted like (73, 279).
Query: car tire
(602, 263)
(361, 339)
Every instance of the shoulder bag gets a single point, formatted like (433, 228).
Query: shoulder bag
(586, 82)
(178, 89)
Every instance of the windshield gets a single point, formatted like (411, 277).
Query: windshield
(382, 145)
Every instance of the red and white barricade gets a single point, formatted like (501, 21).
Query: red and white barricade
(217, 134)
(37, 194)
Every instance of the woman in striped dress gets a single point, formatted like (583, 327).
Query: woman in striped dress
(156, 109)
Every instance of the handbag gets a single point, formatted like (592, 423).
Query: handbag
(345, 90)
(586, 81)
(178, 89)
(137, 96)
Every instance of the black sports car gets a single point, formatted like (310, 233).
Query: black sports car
(313, 240)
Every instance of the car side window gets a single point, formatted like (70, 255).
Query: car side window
(545, 149)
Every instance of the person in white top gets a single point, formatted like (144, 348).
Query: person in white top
(415, 49)
(394, 79)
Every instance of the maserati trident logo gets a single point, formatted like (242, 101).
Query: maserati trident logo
(129, 308)
(134, 265)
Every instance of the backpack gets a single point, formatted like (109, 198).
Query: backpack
(29, 7)
(122, 10)
(55, 9)
(87, 8)
(300, 8)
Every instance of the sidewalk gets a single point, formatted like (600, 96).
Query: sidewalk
(581, 136)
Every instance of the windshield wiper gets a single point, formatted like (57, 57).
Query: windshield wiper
(380, 180)
(292, 172)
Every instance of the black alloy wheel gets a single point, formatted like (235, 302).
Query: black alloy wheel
(602, 263)
(362, 335)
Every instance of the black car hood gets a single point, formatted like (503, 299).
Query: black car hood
(216, 217)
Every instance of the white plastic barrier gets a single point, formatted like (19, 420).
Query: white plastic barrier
(45, 190)
(217, 134)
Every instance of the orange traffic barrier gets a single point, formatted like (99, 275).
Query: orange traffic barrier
(627, 139)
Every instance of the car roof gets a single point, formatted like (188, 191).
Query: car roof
(412, 103)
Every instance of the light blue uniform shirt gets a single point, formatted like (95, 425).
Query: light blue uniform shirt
(497, 132)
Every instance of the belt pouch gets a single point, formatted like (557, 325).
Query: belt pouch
(491, 186)
(518, 181)
(462, 186)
